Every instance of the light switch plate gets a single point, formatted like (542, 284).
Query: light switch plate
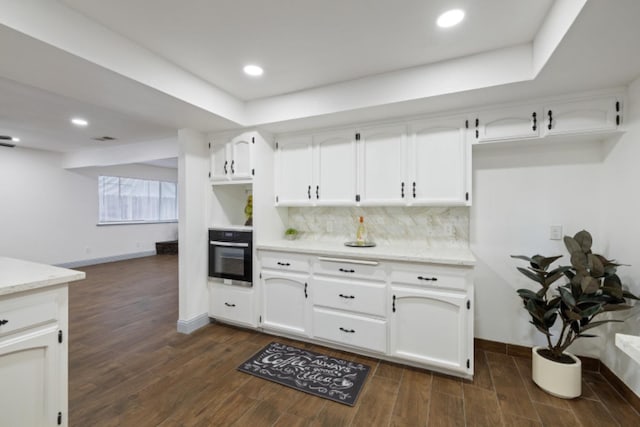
(555, 232)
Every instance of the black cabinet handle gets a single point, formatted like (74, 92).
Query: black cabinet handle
(346, 271)
(402, 190)
(534, 118)
(349, 331)
(550, 119)
(309, 192)
(225, 166)
(285, 264)
(305, 290)
(3, 322)
(229, 305)
(414, 189)
(394, 304)
(433, 279)
(317, 191)
(232, 171)
(346, 296)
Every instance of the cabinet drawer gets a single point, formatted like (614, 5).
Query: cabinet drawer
(232, 303)
(285, 261)
(344, 267)
(433, 276)
(349, 295)
(26, 311)
(350, 329)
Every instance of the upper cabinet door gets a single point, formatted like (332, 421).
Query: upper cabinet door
(240, 158)
(590, 115)
(382, 177)
(439, 163)
(335, 166)
(294, 174)
(218, 162)
(514, 123)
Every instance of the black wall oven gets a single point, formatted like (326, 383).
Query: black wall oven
(231, 254)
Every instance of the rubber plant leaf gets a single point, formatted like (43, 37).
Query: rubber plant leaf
(531, 275)
(584, 239)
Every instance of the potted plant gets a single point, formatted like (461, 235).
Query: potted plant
(592, 288)
(291, 234)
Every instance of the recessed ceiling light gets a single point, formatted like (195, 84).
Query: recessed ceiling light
(253, 70)
(450, 18)
(79, 122)
(15, 139)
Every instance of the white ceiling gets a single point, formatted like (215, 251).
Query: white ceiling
(306, 44)
(141, 69)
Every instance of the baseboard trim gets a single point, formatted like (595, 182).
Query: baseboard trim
(588, 364)
(621, 387)
(104, 260)
(193, 324)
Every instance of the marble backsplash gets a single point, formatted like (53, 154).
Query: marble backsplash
(424, 226)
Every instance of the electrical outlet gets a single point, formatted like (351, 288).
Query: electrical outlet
(555, 232)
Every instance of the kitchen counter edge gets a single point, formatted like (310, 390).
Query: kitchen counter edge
(18, 275)
(449, 256)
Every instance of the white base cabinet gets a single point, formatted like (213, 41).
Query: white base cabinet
(231, 303)
(33, 358)
(419, 314)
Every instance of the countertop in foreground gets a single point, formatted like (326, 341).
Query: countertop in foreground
(17, 275)
(391, 252)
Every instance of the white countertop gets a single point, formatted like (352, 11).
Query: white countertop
(392, 252)
(17, 275)
(630, 344)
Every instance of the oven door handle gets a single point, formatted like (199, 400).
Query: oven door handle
(229, 244)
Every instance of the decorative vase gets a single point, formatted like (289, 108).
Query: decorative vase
(562, 380)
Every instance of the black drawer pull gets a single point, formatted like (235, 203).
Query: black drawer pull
(3, 322)
(433, 279)
(346, 296)
(349, 331)
(284, 264)
(225, 166)
(232, 170)
(229, 305)
(346, 271)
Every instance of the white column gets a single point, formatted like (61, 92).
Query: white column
(193, 168)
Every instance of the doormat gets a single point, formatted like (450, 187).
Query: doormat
(314, 373)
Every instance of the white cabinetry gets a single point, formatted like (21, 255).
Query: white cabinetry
(231, 161)
(285, 290)
(431, 320)
(316, 170)
(417, 313)
(382, 167)
(349, 303)
(590, 115)
(294, 171)
(513, 123)
(440, 163)
(232, 303)
(33, 358)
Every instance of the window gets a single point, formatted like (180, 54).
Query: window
(136, 200)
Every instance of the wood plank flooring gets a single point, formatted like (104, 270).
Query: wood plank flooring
(129, 367)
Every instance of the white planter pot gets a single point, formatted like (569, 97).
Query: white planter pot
(558, 379)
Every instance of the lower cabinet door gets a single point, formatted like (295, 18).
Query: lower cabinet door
(431, 327)
(31, 383)
(284, 303)
(350, 329)
(232, 303)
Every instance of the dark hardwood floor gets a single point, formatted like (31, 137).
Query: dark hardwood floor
(129, 367)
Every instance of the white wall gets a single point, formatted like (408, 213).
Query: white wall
(193, 188)
(49, 214)
(621, 203)
(519, 192)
